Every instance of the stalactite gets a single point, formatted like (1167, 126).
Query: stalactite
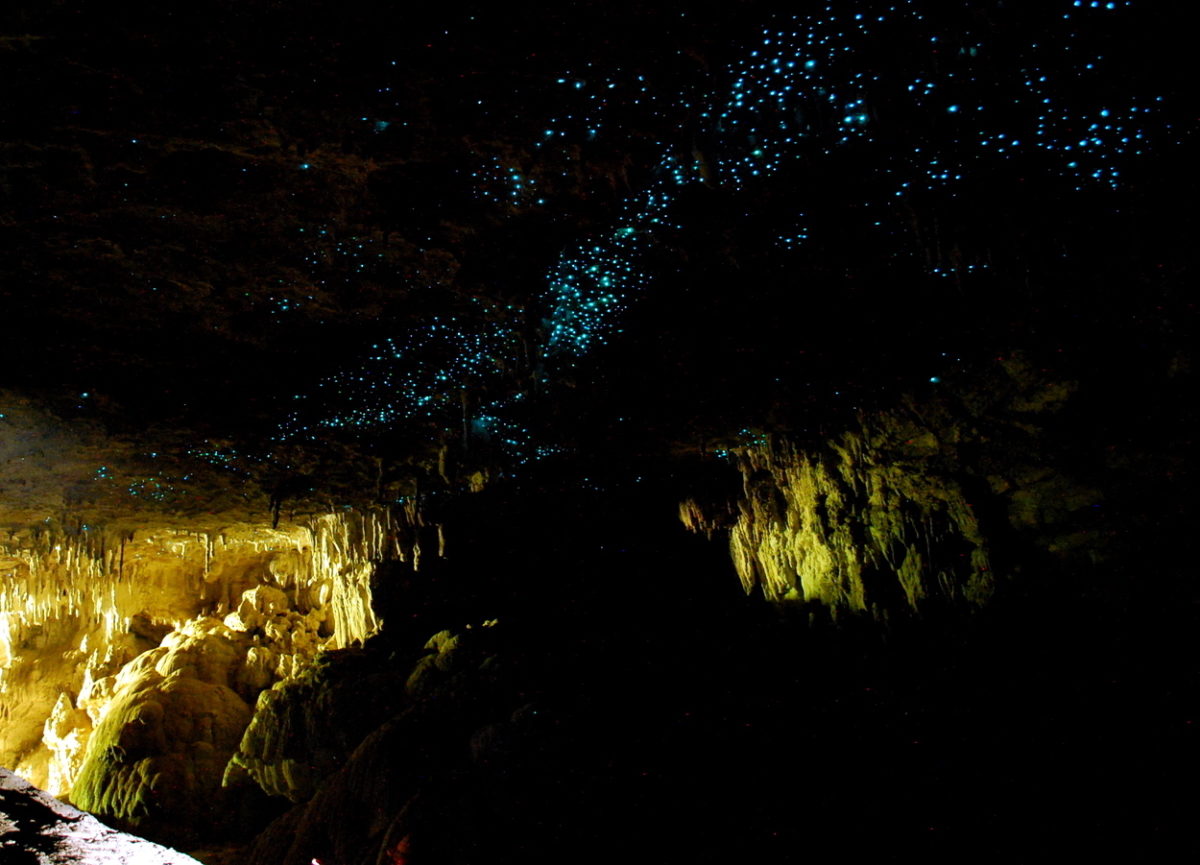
(78, 604)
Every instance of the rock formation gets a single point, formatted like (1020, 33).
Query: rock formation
(890, 515)
(284, 285)
(152, 648)
(37, 829)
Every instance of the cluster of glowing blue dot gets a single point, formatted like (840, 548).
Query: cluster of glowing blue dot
(950, 107)
(591, 284)
(422, 375)
(353, 254)
(504, 183)
(600, 94)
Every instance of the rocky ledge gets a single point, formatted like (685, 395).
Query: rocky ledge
(37, 829)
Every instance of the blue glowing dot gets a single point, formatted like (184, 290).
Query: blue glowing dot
(953, 109)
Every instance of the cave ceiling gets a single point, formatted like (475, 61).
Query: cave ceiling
(215, 213)
(897, 298)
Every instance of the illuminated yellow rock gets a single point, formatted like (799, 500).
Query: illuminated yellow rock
(156, 758)
(96, 631)
(869, 521)
(92, 576)
(886, 516)
(838, 528)
(256, 606)
(65, 734)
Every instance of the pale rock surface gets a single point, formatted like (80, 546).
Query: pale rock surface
(37, 829)
(66, 733)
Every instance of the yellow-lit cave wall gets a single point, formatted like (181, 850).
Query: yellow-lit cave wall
(899, 511)
(852, 525)
(131, 661)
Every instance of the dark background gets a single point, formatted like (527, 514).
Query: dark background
(154, 215)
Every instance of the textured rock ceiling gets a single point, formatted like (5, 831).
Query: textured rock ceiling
(208, 210)
(197, 192)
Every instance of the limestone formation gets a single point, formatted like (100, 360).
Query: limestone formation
(844, 528)
(129, 662)
(888, 515)
(359, 811)
(156, 758)
(305, 726)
